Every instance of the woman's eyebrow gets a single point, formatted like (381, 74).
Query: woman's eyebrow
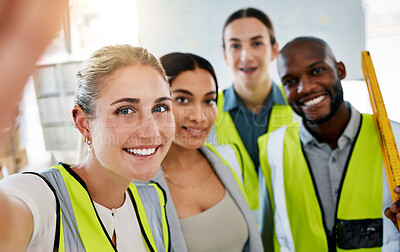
(130, 100)
(182, 91)
(210, 93)
(165, 98)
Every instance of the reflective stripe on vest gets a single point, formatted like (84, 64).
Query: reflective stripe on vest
(81, 228)
(364, 194)
(227, 133)
(283, 234)
(228, 157)
(150, 213)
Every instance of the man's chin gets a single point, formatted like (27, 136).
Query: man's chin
(311, 120)
(316, 121)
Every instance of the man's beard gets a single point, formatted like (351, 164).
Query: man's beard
(335, 104)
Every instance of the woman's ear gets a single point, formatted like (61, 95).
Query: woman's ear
(81, 121)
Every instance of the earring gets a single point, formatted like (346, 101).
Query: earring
(89, 143)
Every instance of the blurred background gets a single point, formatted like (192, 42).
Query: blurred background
(45, 132)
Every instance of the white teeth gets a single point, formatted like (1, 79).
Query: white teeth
(314, 101)
(194, 130)
(142, 152)
(248, 69)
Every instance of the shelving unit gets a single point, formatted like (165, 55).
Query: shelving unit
(55, 84)
(12, 152)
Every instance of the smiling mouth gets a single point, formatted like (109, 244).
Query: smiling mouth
(141, 152)
(248, 69)
(314, 101)
(194, 131)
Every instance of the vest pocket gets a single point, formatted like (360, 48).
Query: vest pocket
(354, 234)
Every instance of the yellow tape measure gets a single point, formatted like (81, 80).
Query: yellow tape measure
(386, 138)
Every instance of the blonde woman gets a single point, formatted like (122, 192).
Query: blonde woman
(123, 111)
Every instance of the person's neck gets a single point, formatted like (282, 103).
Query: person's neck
(330, 131)
(179, 159)
(105, 187)
(255, 97)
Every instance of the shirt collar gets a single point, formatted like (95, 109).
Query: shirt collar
(276, 95)
(232, 100)
(348, 135)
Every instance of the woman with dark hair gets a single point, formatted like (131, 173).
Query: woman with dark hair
(208, 210)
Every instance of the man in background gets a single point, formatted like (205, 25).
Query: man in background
(253, 105)
(325, 175)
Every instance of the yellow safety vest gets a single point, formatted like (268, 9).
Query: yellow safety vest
(79, 227)
(227, 134)
(231, 162)
(363, 196)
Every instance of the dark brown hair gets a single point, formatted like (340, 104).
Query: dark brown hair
(248, 13)
(176, 63)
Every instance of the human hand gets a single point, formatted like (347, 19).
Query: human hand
(393, 212)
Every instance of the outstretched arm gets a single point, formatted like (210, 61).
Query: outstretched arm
(16, 224)
(26, 27)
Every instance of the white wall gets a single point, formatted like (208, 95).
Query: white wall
(196, 26)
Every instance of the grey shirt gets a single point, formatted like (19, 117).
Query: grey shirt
(327, 165)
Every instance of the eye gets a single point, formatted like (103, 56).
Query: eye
(257, 43)
(211, 102)
(288, 82)
(318, 70)
(235, 46)
(161, 108)
(182, 100)
(124, 111)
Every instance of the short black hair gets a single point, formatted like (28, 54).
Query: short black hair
(248, 13)
(175, 63)
(301, 39)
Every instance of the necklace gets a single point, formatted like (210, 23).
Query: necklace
(189, 186)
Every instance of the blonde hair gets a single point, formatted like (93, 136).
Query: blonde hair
(103, 63)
